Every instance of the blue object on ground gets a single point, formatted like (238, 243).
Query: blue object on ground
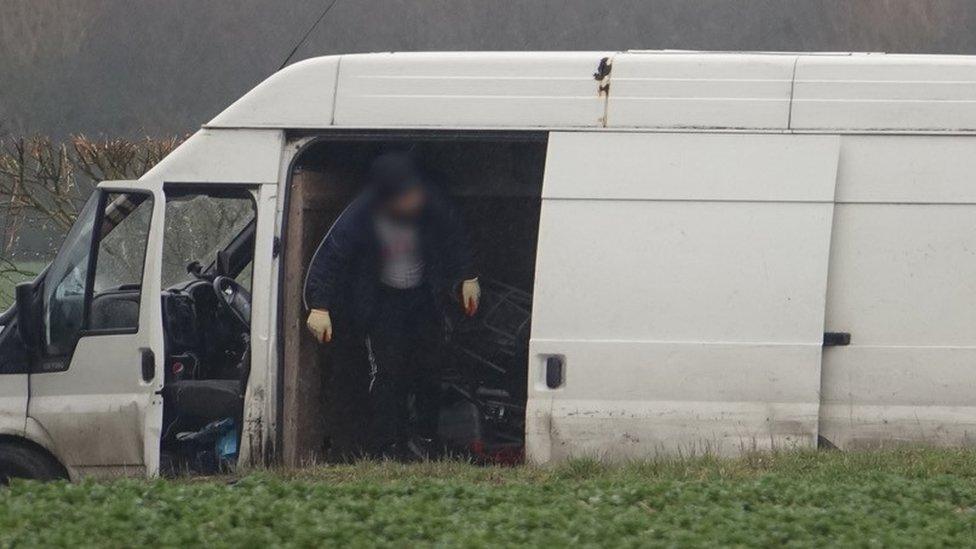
(226, 447)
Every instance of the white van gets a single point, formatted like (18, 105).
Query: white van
(718, 252)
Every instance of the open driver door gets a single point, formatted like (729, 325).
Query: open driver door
(95, 380)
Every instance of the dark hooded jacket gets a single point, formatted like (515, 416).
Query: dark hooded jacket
(344, 274)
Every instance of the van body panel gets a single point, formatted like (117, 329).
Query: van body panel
(482, 90)
(626, 399)
(13, 403)
(873, 93)
(222, 156)
(700, 91)
(310, 88)
(260, 407)
(99, 411)
(694, 315)
(693, 166)
(900, 283)
(657, 271)
(92, 398)
(907, 169)
(35, 432)
(860, 413)
(885, 93)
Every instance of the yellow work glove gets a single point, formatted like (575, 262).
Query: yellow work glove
(470, 296)
(320, 324)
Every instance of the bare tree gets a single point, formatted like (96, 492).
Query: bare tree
(44, 183)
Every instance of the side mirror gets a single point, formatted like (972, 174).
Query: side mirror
(27, 318)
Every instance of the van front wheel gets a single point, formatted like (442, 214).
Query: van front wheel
(18, 460)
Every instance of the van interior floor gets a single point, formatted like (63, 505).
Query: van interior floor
(495, 183)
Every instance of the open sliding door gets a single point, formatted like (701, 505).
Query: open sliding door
(679, 293)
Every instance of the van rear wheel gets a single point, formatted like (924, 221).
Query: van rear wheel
(18, 460)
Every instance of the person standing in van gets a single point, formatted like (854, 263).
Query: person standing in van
(381, 278)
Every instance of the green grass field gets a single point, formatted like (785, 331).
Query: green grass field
(894, 498)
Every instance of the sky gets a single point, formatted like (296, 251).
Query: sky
(164, 67)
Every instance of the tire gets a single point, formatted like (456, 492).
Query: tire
(19, 460)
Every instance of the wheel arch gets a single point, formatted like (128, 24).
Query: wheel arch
(35, 437)
(35, 447)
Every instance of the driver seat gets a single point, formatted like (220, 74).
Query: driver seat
(206, 399)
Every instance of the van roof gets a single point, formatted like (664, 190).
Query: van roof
(817, 92)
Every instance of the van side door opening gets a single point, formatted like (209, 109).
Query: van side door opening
(494, 182)
(208, 253)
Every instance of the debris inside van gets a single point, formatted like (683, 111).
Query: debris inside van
(483, 412)
(211, 449)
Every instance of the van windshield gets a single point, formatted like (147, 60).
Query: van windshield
(121, 254)
(64, 288)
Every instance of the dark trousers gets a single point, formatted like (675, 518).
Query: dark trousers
(348, 378)
(403, 343)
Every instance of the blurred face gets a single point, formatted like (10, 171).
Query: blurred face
(408, 204)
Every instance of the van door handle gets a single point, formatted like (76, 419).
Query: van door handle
(836, 339)
(148, 365)
(555, 372)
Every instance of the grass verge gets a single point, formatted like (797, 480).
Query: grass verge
(908, 497)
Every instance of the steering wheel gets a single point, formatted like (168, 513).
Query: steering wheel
(235, 297)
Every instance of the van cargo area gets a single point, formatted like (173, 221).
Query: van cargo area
(495, 182)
